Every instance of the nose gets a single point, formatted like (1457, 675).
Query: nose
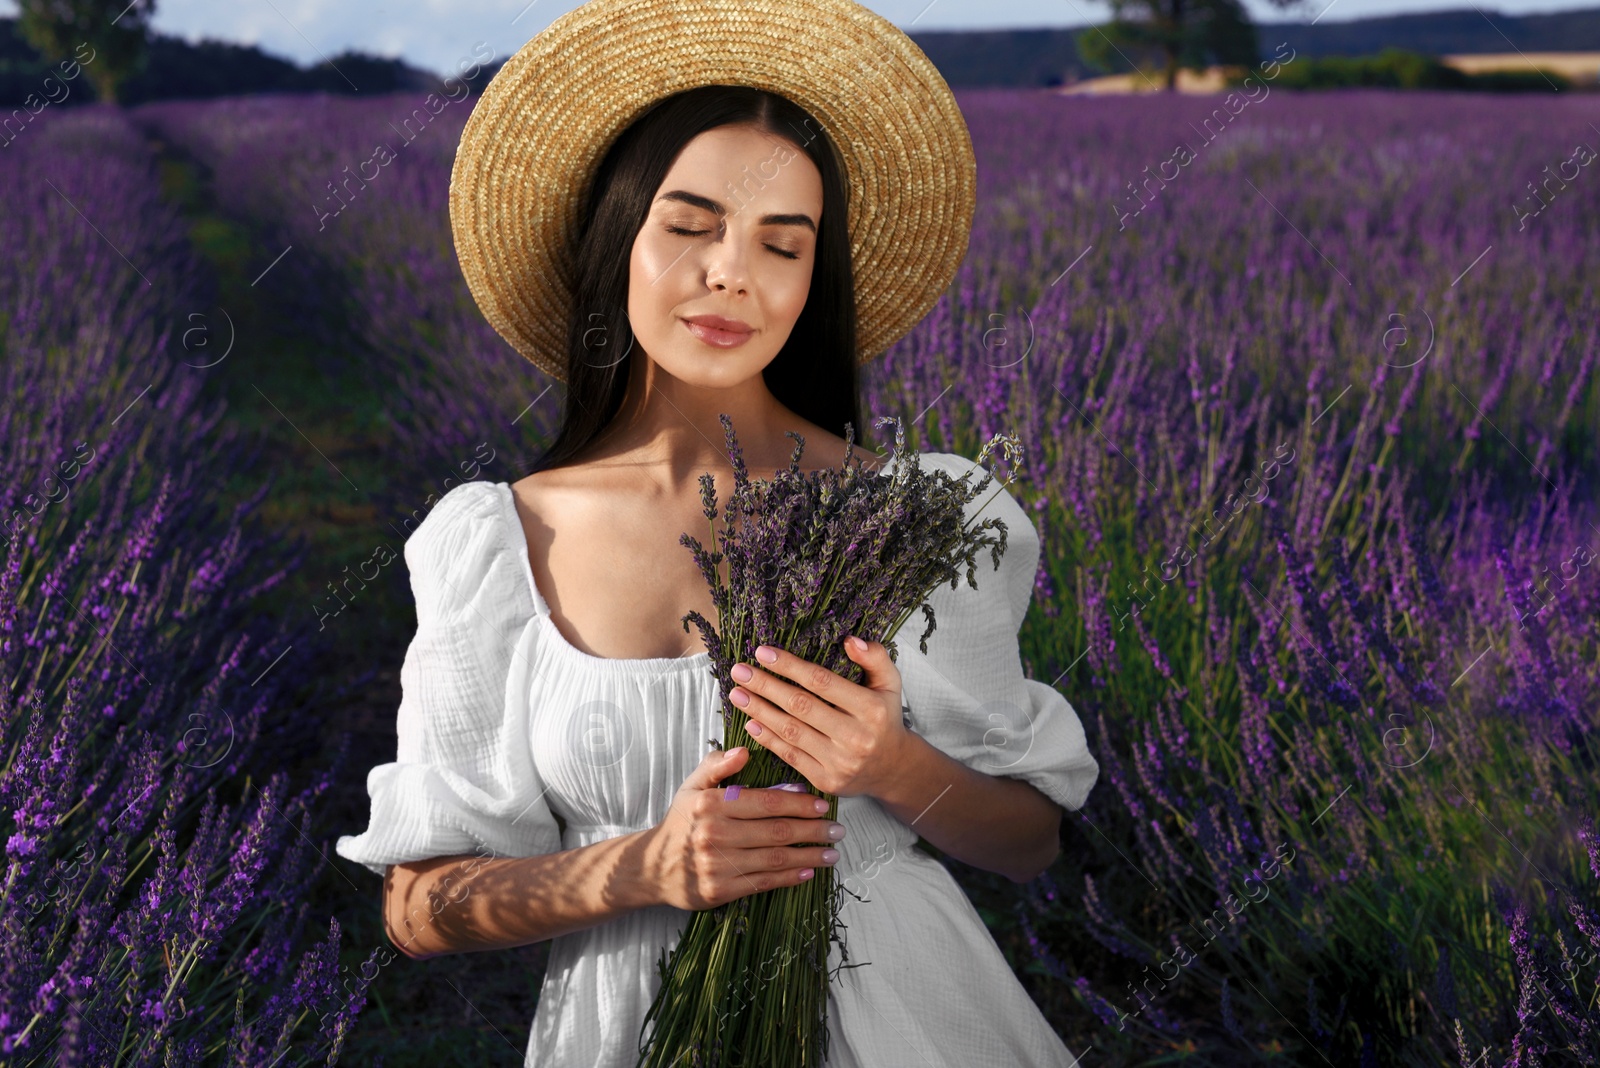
(726, 266)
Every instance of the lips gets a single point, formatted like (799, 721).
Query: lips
(716, 331)
(717, 322)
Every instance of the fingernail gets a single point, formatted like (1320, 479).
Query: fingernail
(766, 654)
(856, 644)
(835, 831)
(740, 673)
(821, 805)
(830, 856)
(754, 728)
(807, 873)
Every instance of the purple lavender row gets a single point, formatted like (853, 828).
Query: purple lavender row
(155, 861)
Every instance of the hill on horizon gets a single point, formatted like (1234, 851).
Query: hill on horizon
(1047, 57)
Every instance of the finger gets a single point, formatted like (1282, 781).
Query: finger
(819, 832)
(761, 857)
(766, 802)
(831, 688)
(768, 691)
(787, 832)
(792, 740)
(732, 793)
(715, 766)
(879, 672)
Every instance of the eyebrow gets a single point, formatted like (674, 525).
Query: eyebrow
(698, 201)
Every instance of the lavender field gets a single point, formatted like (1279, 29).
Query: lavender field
(1312, 442)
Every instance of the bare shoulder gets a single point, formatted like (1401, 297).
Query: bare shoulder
(564, 493)
(566, 484)
(531, 489)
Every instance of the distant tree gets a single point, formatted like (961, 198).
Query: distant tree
(115, 29)
(1173, 34)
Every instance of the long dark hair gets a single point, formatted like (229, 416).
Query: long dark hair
(814, 374)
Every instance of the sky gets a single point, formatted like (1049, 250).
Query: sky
(441, 35)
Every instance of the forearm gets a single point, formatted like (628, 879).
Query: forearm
(468, 904)
(994, 823)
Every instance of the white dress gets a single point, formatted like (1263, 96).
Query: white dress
(503, 723)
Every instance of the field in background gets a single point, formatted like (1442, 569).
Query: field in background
(1312, 441)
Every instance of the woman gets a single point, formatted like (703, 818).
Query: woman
(551, 779)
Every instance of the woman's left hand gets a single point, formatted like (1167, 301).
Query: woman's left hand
(845, 737)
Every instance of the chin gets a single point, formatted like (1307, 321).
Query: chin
(716, 366)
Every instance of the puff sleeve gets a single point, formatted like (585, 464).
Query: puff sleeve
(968, 694)
(463, 779)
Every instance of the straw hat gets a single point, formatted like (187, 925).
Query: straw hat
(546, 119)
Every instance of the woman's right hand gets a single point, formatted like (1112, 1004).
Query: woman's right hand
(708, 850)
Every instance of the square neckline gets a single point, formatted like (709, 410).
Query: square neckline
(517, 541)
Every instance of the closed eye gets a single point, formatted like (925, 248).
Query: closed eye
(696, 233)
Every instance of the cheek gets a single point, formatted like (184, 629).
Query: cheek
(789, 293)
(650, 280)
(643, 259)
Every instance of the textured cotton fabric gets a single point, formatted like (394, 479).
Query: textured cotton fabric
(503, 724)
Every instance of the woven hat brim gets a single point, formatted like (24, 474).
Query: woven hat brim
(537, 134)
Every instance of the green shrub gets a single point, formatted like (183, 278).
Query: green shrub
(1396, 68)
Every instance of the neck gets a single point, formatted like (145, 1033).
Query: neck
(672, 425)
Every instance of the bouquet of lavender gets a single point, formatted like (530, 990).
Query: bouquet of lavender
(810, 559)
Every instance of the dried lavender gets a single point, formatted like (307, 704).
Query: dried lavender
(803, 561)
